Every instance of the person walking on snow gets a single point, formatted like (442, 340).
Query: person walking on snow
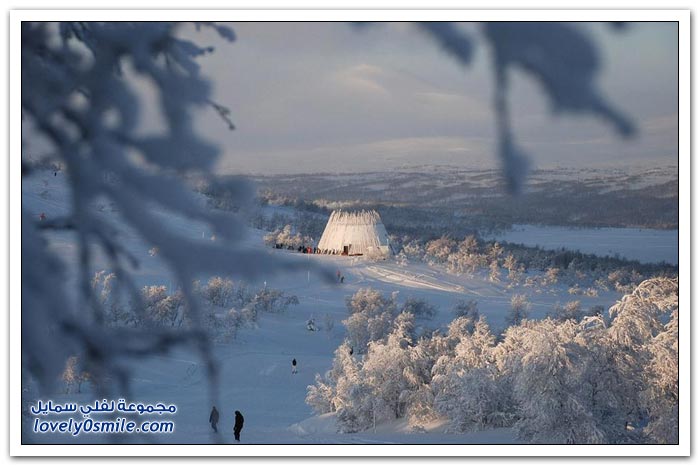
(238, 426)
(337, 275)
(214, 418)
(294, 366)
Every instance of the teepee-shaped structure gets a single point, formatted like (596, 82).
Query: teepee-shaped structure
(354, 234)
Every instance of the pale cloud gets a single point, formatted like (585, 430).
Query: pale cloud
(662, 123)
(361, 78)
(320, 96)
(369, 156)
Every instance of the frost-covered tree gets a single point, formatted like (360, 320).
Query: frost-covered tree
(74, 376)
(160, 308)
(371, 317)
(118, 312)
(286, 237)
(465, 380)
(350, 396)
(610, 396)
(551, 276)
(642, 344)
(493, 255)
(440, 249)
(544, 372)
(519, 309)
(494, 271)
(466, 259)
(660, 398)
(384, 369)
(637, 316)
(419, 397)
(514, 268)
(325, 396)
(320, 395)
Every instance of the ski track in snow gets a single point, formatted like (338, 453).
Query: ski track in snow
(411, 280)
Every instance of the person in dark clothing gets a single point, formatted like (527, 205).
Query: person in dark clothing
(238, 426)
(342, 279)
(214, 418)
(294, 366)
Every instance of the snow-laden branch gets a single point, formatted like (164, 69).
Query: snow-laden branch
(82, 98)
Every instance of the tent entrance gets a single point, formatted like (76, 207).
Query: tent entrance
(346, 250)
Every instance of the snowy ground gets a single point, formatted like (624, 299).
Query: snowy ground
(256, 376)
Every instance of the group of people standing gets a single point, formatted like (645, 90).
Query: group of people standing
(237, 426)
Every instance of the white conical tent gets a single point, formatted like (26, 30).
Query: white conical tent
(355, 233)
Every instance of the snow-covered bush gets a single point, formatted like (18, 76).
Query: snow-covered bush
(218, 291)
(162, 309)
(273, 301)
(570, 310)
(286, 237)
(420, 309)
(230, 323)
(439, 250)
(414, 249)
(401, 259)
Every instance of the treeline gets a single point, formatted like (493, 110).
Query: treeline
(531, 266)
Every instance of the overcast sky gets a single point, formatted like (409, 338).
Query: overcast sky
(334, 97)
